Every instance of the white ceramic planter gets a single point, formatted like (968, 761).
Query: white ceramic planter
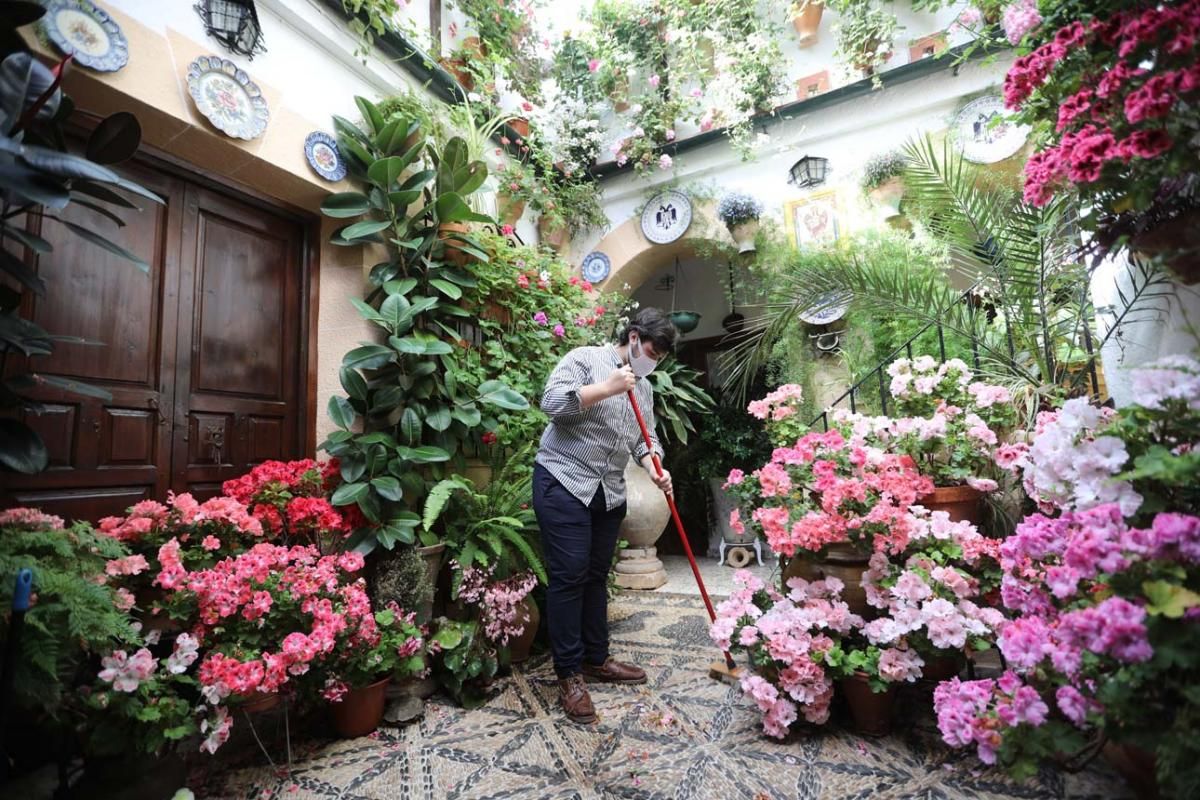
(888, 195)
(743, 235)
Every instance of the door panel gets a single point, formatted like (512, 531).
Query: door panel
(238, 390)
(204, 357)
(105, 454)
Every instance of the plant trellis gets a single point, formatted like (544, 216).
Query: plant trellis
(233, 23)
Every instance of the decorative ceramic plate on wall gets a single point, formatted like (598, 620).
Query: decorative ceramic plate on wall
(595, 267)
(985, 131)
(667, 216)
(323, 156)
(78, 28)
(227, 97)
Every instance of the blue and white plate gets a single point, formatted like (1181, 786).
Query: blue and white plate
(227, 97)
(595, 267)
(78, 28)
(323, 156)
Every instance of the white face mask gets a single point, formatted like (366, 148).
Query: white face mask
(641, 363)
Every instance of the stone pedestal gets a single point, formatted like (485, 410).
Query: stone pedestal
(638, 566)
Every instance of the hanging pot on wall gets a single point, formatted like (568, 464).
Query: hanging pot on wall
(555, 236)
(807, 21)
(743, 234)
(509, 209)
(887, 196)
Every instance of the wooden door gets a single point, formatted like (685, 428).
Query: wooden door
(239, 390)
(107, 455)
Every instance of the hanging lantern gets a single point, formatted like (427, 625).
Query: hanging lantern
(233, 23)
(808, 172)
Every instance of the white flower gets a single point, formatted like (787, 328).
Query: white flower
(474, 97)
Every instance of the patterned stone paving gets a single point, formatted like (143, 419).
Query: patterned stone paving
(683, 737)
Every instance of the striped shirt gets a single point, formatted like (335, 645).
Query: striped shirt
(585, 448)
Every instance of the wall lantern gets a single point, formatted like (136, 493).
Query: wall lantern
(233, 23)
(808, 172)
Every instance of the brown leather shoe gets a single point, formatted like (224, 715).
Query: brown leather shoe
(613, 671)
(574, 698)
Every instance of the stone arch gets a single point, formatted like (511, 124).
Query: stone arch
(634, 259)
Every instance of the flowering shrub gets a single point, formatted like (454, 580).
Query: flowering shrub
(1103, 94)
(779, 412)
(738, 207)
(500, 602)
(398, 652)
(826, 490)
(929, 590)
(787, 638)
(1107, 593)
(289, 499)
(269, 616)
(951, 425)
(881, 168)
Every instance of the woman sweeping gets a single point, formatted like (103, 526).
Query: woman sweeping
(579, 495)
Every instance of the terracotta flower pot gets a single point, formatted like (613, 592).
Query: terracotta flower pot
(509, 209)
(807, 22)
(847, 563)
(1137, 767)
(942, 668)
(872, 711)
(474, 48)
(962, 503)
(451, 252)
(743, 235)
(458, 68)
(520, 126)
(802, 565)
(360, 710)
(555, 237)
(1177, 243)
(260, 702)
(518, 648)
(887, 196)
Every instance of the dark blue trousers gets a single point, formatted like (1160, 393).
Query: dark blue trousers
(578, 543)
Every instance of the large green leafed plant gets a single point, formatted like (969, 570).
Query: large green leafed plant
(405, 414)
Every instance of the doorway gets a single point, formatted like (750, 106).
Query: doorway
(205, 357)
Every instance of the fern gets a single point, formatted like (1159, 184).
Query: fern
(438, 498)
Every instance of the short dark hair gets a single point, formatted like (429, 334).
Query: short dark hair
(651, 325)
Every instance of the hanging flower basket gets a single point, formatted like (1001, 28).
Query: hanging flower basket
(806, 20)
(685, 321)
(740, 213)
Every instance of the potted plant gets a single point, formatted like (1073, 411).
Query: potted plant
(553, 231)
(361, 671)
(883, 181)
(806, 18)
(871, 490)
(869, 676)
(786, 639)
(740, 213)
(464, 661)
(865, 32)
(954, 428)
(390, 431)
(508, 617)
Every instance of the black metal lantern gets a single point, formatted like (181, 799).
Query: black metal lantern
(233, 23)
(808, 172)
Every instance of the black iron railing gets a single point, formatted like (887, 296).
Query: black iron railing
(969, 296)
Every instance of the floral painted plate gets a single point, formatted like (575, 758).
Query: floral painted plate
(78, 28)
(323, 156)
(227, 97)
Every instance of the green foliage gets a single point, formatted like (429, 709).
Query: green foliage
(1029, 296)
(415, 413)
(881, 167)
(39, 180)
(865, 32)
(508, 50)
(362, 665)
(678, 397)
(495, 526)
(464, 662)
(401, 578)
(73, 617)
(731, 439)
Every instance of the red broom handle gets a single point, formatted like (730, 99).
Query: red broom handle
(687, 547)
